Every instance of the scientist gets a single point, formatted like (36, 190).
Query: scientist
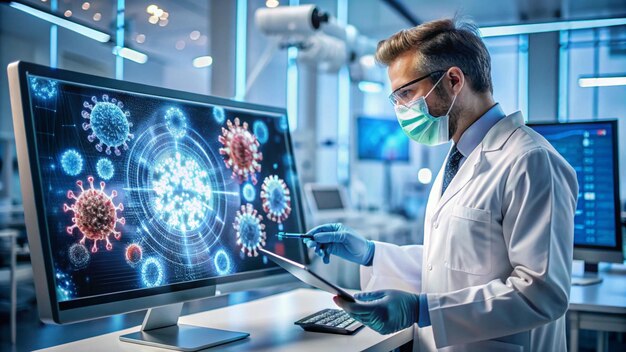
(494, 271)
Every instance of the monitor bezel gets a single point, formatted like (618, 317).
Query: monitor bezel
(595, 253)
(359, 134)
(33, 199)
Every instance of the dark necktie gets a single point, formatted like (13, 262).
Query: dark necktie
(452, 166)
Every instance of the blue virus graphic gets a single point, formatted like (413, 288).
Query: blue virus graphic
(276, 199)
(249, 193)
(65, 287)
(260, 131)
(152, 272)
(108, 123)
(71, 162)
(282, 124)
(79, 256)
(275, 166)
(44, 89)
(250, 230)
(219, 115)
(183, 192)
(222, 262)
(176, 122)
(105, 169)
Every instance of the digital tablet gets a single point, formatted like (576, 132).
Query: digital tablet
(307, 276)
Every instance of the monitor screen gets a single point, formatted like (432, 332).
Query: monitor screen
(145, 193)
(327, 199)
(381, 139)
(590, 148)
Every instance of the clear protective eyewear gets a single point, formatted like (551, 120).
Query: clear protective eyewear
(405, 94)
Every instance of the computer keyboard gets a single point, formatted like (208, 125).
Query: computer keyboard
(334, 321)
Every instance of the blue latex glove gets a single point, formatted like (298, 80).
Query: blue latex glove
(341, 241)
(385, 311)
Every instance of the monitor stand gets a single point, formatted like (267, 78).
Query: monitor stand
(160, 328)
(589, 277)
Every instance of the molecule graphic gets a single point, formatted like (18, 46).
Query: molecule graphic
(260, 131)
(44, 89)
(219, 115)
(133, 254)
(108, 122)
(152, 272)
(276, 199)
(105, 168)
(65, 288)
(241, 150)
(95, 215)
(222, 262)
(249, 193)
(183, 192)
(72, 162)
(250, 230)
(176, 122)
(79, 256)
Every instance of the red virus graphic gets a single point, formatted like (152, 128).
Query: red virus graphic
(241, 151)
(250, 230)
(95, 215)
(276, 199)
(133, 254)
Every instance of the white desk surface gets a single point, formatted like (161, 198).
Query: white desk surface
(270, 323)
(607, 297)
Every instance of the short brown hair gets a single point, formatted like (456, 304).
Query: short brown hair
(442, 44)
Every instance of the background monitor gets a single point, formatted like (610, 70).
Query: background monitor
(592, 150)
(381, 139)
(138, 196)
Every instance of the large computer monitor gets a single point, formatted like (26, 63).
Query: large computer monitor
(592, 150)
(137, 197)
(381, 139)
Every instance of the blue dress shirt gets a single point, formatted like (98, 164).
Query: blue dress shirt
(470, 139)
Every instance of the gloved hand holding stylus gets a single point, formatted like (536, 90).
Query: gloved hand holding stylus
(341, 241)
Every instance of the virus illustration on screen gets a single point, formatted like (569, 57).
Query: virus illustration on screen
(152, 272)
(250, 230)
(276, 199)
(222, 262)
(95, 215)
(182, 192)
(72, 162)
(133, 254)
(44, 89)
(105, 169)
(79, 256)
(249, 193)
(65, 287)
(241, 151)
(260, 131)
(176, 122)
(108, 123)
(219, 115)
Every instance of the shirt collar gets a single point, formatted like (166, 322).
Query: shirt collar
(474, 134)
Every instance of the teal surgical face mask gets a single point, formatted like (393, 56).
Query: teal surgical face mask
(419, 125)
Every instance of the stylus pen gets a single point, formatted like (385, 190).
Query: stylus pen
(282, 235)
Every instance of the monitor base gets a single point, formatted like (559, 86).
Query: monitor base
(160, 328)
(183, 337)
(585, 280)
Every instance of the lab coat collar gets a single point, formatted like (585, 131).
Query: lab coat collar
(501, 131)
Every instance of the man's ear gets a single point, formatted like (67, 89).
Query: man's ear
(456, 79)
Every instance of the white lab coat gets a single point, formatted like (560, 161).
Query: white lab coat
(497, 254)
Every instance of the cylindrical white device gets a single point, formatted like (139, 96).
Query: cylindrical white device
(289, 20)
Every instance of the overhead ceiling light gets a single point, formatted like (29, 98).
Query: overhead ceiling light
(68, 13)
(59, 21)
(163, 23)
(424, 175)
(194, 35)
(86, 6)
(606, 81)
(531, 28)
(370, 87)
(141, 38)
(180, 45)
(153, 19)
(272, 3)
(152, 9)
(202, 61)
(130, 54)
(97, 16)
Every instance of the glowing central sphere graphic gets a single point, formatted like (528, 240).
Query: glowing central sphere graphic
(183, 192)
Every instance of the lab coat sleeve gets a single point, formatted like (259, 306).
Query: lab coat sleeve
(539, 202)
(394, 267)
